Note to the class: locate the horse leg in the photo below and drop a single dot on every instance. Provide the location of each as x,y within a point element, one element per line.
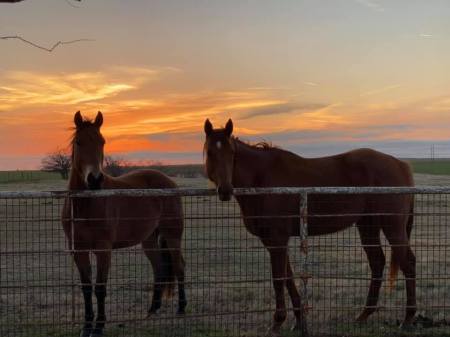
<point>84,268</point>
<point>278,259</point>
<point>151,250</point>
<point>403,256</point>
<point>295,298</point>
<point>370,240</point>
<point>103,265</point>
<point>409,270</point>
<point>178,264</point>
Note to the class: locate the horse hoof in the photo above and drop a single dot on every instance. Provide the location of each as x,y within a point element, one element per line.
<point>181,307</point>
<point>97,333</point>
<point>361,318</point>
<point>407,323</point>
<point>86,332</point>
<point>152,313</point>
<point>364,315</point>
<point>273,333</point>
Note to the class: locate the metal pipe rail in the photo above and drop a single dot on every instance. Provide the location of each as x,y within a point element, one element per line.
<point>237,191</point>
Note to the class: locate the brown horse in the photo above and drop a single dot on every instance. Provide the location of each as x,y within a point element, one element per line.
<point>232,163</point>
<point>102,224</point>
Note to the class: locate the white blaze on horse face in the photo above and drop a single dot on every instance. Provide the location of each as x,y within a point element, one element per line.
<point>219,144</point>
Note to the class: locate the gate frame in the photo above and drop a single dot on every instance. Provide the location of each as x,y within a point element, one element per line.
<point>189,192</point>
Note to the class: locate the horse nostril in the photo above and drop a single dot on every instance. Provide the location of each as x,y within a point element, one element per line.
<point>94,182</point>
<point>90,178</point>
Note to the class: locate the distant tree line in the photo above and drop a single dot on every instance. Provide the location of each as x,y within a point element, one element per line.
<point>60,161</point>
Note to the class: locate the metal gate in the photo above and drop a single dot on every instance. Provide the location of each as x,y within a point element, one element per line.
<point>228,275</point>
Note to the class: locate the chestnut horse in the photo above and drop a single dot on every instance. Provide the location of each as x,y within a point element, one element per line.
<point>106,223</point>
<point>232,163</point>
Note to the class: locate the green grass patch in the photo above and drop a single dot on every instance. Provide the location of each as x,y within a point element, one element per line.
<point>26,176</point>
<point>427,166</point>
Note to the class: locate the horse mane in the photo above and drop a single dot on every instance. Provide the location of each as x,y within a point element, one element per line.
<point>262,145</point>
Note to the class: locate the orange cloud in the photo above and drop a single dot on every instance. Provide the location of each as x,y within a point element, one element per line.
<point>38,110</point>
<point>27,89</point>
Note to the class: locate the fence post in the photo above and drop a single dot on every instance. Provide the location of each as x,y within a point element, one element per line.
<point>72,251</point>
<point>304,271</point>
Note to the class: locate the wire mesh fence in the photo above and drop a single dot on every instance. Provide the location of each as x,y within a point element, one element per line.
<point>228,277</point>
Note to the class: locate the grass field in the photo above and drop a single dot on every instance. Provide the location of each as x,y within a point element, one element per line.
<point>422,166</point>
<point>18,176</point>
<point>426,166</point>
<point>38,297</point>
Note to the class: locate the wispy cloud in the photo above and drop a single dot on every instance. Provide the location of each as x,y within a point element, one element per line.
<point>24,89</point>
<point>36,89</point>
<point>439,104</point>
<point>380,90</point>
<point>282,108</point>
<point>371,5</point>
<point>398,148</point>
<point>353,133</point>
<point>311,84</point>
<point>138,120</point>
<point>426,35</point>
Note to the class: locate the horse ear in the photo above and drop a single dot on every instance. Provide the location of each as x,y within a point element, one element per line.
<point>229,128</point>
<point>78,120</point>
<point>98,120</point>
<point>208,127</point>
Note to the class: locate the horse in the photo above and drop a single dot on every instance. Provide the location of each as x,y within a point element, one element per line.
<point>231,163</point>
<point>101,224</point>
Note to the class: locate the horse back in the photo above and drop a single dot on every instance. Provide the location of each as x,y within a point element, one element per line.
<point>122,221</point>
<point>327,213</point>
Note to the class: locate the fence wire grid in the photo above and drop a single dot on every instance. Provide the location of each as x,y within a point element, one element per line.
<point>228,273</point>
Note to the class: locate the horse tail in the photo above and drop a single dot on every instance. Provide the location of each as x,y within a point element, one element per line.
<point>166,269</point>
<point>394,267</point>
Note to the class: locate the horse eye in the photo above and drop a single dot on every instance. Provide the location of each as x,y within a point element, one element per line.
<point>78,143</point>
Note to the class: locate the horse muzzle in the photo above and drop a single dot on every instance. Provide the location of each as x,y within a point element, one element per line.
<point>94,182</point>
<point>225,192</point>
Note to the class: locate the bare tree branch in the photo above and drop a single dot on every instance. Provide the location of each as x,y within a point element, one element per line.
<point>58,161</point>
<point>72,5</point>
<point>115,166</point>
<point>59,43</point>
<point>13,1</point>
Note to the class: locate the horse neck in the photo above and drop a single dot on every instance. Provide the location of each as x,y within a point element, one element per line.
<point>249,165</point>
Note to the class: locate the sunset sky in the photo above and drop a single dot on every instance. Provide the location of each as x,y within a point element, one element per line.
<point>316,77</point>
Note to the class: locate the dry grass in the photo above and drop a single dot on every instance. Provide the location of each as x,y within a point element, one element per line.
<point>37,296</point>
